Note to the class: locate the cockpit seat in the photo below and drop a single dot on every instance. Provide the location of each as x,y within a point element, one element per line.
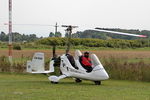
<point>72,61</point>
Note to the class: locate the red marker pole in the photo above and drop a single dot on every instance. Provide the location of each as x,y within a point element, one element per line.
<point>10,32</point>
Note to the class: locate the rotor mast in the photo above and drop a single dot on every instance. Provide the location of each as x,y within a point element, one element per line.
<point>54,46</point>
<point>69,32</point>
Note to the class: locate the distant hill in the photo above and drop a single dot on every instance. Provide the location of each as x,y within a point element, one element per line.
<point>104,36</point>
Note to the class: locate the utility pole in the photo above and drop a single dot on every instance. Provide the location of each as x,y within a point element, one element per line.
<point>69,32</point>
<point>56,29</point>
<point>10,32</point>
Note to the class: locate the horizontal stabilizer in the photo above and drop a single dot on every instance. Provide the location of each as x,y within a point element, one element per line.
<point>56,78</point>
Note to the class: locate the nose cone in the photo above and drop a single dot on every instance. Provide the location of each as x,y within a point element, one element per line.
<point>105,75</point>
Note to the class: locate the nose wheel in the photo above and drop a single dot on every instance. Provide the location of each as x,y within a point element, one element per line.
<point>54,82</point>
<point>97,82</point>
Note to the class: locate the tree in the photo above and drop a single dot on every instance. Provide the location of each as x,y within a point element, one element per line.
<point>51,34</point>
<point>3,36</point>
<point>32,37</point>
<point>17,37</point>
<point>66,34</point>
<point>58,34</point>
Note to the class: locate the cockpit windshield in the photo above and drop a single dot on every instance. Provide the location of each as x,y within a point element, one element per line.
<point>95,60</point>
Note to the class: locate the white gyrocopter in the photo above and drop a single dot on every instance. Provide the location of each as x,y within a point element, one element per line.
<point>98,74</point>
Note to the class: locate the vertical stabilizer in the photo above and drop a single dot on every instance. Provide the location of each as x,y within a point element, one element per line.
<point>37,63</point>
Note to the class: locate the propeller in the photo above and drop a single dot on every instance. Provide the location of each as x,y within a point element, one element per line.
<point>121,33</point>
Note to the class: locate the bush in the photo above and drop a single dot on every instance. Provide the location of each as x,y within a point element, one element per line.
<point>17,47</point>
<point>5,66</point>
<point>113,43</point>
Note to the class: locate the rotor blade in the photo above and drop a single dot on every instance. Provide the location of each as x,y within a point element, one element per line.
<point>31,24</point>
<point>121,33</point>
<point>74,26</point>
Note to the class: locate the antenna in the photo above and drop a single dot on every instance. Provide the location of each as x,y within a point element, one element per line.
<point>69,32</point>
<point>10,32</point>
<point>56,26</point>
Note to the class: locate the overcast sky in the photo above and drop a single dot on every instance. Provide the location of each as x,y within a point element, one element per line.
<point>126,14</point>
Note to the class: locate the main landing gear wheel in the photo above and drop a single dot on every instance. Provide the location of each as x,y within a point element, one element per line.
<point>77,80</point>
<point>54,82</point>
<point>97,82</point>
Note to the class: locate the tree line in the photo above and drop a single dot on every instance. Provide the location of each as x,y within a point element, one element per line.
<point>17,37</point>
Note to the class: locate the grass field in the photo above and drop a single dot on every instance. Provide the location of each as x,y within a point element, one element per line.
<point>100,53</point>
<point>120,64</point>
<point>37,87</point>
<point>123,55</point>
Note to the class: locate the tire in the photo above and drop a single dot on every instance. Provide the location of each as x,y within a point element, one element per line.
<point>77,80</point>
<point>97,82</point>
<point>54,82</point>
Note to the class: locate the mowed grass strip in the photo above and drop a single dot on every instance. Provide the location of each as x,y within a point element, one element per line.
<point>38,87</point>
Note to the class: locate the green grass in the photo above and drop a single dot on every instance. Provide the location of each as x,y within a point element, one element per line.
<point>37,87</point>
<point>129,60</point>
<point>145,60</point>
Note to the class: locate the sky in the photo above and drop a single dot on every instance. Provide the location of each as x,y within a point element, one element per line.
<point>126,14</point>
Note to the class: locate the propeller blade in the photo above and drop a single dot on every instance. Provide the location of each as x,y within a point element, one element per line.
<point>74,26</point>
<point>64,25</point>
<point>121,33</point>
<point>69,26</point>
